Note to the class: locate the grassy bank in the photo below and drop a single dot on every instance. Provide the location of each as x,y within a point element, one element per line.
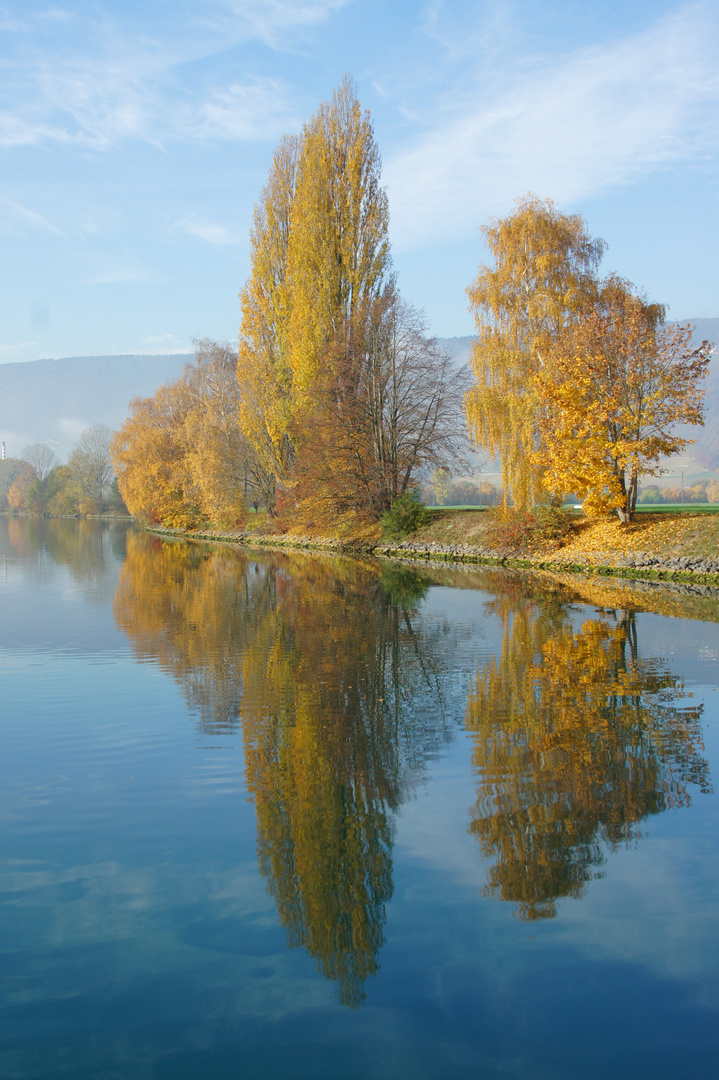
<point>664,534</point>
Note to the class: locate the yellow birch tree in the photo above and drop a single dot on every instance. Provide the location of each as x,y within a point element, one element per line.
<point>543,277</point>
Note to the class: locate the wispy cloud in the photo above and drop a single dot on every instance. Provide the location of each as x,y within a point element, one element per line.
<point>209,231</point>
<point>16,219</point>
<point>603,117</point>
<point>242,112</point>
<point>123,271</point>
<point>271,20</point>
<point>109,79</point>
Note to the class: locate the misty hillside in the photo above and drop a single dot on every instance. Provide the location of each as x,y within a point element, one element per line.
<point>55,399</point>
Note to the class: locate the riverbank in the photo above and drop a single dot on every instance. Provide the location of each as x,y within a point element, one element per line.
<point>665,547</point>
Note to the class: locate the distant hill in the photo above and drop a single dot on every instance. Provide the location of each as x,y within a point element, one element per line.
<point>55,399</point>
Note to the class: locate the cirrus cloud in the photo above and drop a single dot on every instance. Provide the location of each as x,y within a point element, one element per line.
<point>603,116</point>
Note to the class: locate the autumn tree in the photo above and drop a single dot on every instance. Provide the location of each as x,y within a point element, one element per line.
<point>10,468</point>
<point>542,280</point>
<point>222,467</point>
<point>388,407</point>
<point>316,661</point>
<point>61,492</point>
<point>344,395</point>
<point>576,739</point>
<point>19,490</point>
<point>148,454</point>
<point>618,383</point>
<point>263,367</point>
<point>181,457</point>
<point>338,256</point>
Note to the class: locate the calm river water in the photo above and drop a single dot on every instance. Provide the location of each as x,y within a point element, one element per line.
<point>278,815</point>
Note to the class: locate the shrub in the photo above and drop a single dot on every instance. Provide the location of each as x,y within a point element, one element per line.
<point>552,523</point>
<point>406,514</point>
<point>522,530</point>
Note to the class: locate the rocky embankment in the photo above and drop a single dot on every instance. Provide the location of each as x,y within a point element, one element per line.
<point>615,563</point>
<point>638,564</point>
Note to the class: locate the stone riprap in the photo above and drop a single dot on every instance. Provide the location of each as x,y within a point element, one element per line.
<point>634,564</point>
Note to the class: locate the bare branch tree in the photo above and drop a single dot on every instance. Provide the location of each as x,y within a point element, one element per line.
<point>41,458</point>
<point>91,464</point>
<point>392,407</point>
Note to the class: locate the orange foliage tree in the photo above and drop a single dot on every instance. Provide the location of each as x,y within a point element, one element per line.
<point>542,278</point>
<point>181,458</point>
<point>618,382</point>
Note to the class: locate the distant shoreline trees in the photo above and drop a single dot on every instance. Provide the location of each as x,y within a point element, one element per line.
<point>36,482</point>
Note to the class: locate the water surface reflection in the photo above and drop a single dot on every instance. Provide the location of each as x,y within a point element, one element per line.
<point>576,740</point>
<point>340,682</point>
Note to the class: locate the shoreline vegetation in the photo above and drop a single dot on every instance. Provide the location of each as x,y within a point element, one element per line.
<point>336,403</point>
<point>668,547</point>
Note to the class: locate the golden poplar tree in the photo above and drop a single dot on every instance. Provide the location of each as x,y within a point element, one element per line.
<point>263,368</point>
<point>320,261</point>
<point>543,277</point>
<point>338,254</point>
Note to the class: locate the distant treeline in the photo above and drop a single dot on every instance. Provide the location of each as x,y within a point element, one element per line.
<point>706,491</point>
<point>442,490</point>
<point>36,482</point>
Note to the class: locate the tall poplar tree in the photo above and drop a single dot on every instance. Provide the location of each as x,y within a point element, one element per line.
<point>338,258</point>
<point>319,256</point>
<point>543,277</point>
<point>263,367</point>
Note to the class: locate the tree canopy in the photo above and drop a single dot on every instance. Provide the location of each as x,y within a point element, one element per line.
<point>344,396</point>
<point>619,382</point>
<point>543,278</point>
<point>181,457</point>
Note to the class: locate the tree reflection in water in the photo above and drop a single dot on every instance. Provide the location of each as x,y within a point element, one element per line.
<point>338,687</point>
<point>91,550</point>
<point>576,739</point>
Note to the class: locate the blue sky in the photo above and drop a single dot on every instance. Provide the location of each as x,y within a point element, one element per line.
<point>135,137</point>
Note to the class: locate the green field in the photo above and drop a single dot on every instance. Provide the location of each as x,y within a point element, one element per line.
<point>678,508</point>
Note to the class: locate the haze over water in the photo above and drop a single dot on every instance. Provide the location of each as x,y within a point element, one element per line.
<point>282,815</point>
